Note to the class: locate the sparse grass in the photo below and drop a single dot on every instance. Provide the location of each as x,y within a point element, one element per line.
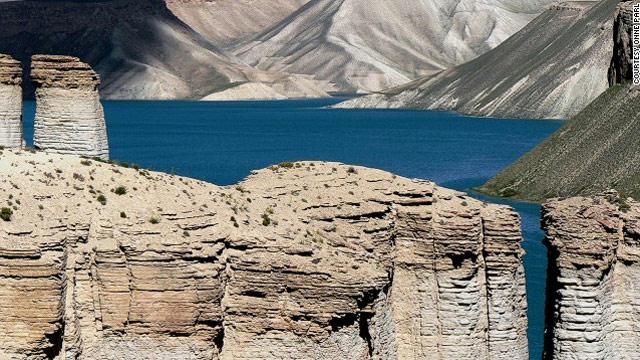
<point>85,162</point>
<point>6,214</point>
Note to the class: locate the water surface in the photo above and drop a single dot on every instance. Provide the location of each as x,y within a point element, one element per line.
<point>223,142</point>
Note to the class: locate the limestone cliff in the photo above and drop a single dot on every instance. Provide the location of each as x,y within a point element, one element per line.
<point>592,290</point>
<point>10,102</point>
<point>69,115</point>
<point>298,261</point>
<point>596,150</point>
<point>552,68</point>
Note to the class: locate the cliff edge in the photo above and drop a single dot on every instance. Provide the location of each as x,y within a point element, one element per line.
<point>299,261</point>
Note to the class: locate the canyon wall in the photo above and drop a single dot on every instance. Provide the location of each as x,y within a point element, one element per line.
<point>299,261</point>
<point>69,115</point>
<point>10,102</point>
<point>592,289</point>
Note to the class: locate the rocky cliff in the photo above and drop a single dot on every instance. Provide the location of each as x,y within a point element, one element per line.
<point>620,70</point>
<point>69,115</point>
<point>10,102</point>
<point>595,151</point>
<point>299,261</point>
<point>552,68</point>
<point>592,290</point>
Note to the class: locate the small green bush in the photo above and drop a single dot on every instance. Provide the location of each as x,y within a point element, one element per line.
<point>123,215</point>
<point>286,165</point>
<point>102,199</point>
<point>6,213</point>
<point>154,220</point>
<point>120,190</point>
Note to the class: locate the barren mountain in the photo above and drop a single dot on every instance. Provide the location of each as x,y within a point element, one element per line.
<point>552,68</point>
<point>226,22</point>
<point>596,150</point>
<point>371,45</point>
<point>140,49</point>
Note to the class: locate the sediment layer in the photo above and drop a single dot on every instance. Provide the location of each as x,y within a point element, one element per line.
<point>10,102</point>
<point>299,261</point>
<point>69,115</point>
<point>592,291</point>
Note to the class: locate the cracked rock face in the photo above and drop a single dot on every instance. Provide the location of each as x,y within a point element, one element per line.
<point>69,115</point>
<point>301,261</point>
<point>592,289</point>
<point>10,102</point>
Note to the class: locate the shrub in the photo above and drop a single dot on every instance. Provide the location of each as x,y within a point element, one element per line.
<point>286,164</point>
<point>123,215</point>
<point>6,213</point>
<point>154,220</point>
<point>102,199</point>
<point>85,162</point>
<point>120,190</point>
<point>352,170</point>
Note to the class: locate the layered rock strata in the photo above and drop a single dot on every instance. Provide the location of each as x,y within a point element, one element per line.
<point>300,261</point>
<point>592,289</point>
<point>69,115</point>
<point>10,102</point>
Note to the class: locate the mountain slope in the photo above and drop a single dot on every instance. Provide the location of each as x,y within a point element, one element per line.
<point>552,68</point>
<point>140,49</point>
<point>371,45</point>
<point>595,151</point>
<point>226,22</point>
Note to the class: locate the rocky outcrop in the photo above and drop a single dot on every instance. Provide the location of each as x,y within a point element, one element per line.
<point>593,152</point>
<point>10,102</point>
<point>620,70</point>
<point>592,291</point>
<point>69,115</point>
<point>299,261</point>
<point>552,68</point>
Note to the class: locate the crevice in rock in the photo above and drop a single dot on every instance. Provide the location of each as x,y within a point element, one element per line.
<point>56,339</point>
<point>553,273</point>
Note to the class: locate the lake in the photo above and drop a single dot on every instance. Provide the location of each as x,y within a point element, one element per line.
<point>222,142</point>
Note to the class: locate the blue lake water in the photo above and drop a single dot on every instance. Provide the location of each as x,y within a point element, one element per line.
<point>223,142</point>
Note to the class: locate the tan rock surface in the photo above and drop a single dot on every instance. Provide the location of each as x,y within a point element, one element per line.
<point>10,102</point>
<point>592,290</point>
<point>69,115</point>
<point>300,261</point>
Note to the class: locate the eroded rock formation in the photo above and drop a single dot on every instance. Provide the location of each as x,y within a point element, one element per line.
<point>10,102</point>
<point>620,70</point>
<point>593,296</point>
<point>69,115</point>
<point>299,261</point>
